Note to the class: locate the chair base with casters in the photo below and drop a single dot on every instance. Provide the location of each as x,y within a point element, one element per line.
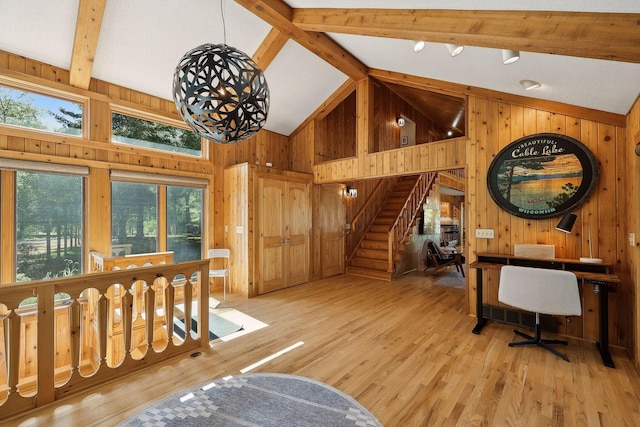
<point>541,291</point>
<point>537,340</point>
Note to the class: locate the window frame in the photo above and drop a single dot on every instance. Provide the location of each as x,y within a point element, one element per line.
<point>161,182</point>
<point>8,186</point>
<point>52,93</point>
<point>119,109</point>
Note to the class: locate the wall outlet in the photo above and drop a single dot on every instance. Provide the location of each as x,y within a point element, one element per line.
<point>484,233</point>
<point>632,239</point>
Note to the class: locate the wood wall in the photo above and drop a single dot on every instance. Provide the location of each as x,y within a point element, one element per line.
<point>631,167</point>
<point>97,152</point>
<point>493,122</point>
<point>493,125</point>
<point>388,107</point>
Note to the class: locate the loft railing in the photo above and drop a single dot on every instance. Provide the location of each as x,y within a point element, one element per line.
<point>405,219</point>
<point>63,335</point>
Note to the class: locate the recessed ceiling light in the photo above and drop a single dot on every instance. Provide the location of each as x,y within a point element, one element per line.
<point>529,84</point>
<point>510,56</point>
<point>418,45</point>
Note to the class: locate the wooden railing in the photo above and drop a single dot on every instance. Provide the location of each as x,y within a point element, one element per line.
<point>102,262</point>
<point>364,217</point>
<point>405,219</point>
<point>71,316</point>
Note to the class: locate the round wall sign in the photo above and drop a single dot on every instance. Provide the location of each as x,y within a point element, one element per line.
<point>542,176</point>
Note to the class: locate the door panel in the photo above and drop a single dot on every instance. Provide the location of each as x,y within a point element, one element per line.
<point>298,215</point>
<point>332,220</point>
<point>272,239</point>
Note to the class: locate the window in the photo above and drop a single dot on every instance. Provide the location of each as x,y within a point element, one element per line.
<point>144,133</point>
<point>134,220</point>
<point>156,215</point>
<point>184,223</point>
<point>42,112</point>
<point>49,218</point>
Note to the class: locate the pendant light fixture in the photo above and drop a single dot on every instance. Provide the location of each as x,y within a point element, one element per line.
<point>220,92</point>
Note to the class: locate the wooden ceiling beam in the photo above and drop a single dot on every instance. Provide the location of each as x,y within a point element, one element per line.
<point>278,14</point>
<point>608,36</point>
<point>269,48</point>
<point>85,43</point>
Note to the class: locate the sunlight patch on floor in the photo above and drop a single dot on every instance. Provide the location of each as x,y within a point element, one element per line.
<point>249,324</point>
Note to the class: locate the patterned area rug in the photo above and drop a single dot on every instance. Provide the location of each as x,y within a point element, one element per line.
<point>276,400</point>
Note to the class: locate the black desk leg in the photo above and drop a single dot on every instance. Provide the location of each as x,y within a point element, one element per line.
<point>603,345</point>
<point>479,312</point>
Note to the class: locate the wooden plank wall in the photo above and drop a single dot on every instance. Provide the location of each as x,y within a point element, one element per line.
<point>265,147</point>
<point>389,106</point>
<point>631,166</point>
<point>97,152</point>
<point>493,125</point>
<point>335,136</point>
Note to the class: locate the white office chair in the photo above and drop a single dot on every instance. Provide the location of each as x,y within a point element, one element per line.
<point>543,291</point>
<point>223,254</point>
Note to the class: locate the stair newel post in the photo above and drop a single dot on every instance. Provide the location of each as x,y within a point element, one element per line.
<point>390,248</point>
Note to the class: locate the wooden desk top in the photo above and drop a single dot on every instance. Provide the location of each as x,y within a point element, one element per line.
<point>497,261</point>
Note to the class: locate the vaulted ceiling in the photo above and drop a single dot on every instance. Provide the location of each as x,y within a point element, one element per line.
<point>583,52</point>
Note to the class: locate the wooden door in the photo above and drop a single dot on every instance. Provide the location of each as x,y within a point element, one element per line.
<point>272,239</point>
<point>332,220</point>
<point>297,231</point>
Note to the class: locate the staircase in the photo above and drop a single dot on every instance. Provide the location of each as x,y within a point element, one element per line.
<point>382,244</point>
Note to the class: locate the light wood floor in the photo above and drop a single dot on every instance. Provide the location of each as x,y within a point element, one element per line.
<point>404,349</point>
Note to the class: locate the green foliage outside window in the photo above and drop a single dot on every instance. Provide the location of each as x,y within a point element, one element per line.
<point>145,133</point>
<point>36,111</point>
<point>48,225</point>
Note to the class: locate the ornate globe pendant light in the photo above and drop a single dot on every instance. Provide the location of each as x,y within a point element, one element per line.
<point>221,93</point>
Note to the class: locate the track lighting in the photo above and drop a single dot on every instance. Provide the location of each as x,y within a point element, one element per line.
<point>454,49</point>
<point>529,84</point>
<point>510,56</point>
<point>418,45</point>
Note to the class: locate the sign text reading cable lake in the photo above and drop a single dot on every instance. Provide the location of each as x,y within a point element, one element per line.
<point>538,147</point>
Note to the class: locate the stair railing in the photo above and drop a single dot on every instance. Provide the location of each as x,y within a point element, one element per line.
<point>368,212</point>
<point>400,228</point>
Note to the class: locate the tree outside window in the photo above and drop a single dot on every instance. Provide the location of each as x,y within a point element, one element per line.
<point>48,225</point>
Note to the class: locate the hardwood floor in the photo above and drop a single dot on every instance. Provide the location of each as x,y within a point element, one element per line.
<point>404,349</point>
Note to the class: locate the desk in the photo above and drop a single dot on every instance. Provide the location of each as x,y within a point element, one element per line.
<point>597,274</point>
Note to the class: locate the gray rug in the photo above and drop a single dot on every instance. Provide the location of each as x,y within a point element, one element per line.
<point>451,280</point>
<point>276,400</point>
<point>218,327</point>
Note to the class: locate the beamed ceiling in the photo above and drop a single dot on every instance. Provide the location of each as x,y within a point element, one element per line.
<point>584,53</point>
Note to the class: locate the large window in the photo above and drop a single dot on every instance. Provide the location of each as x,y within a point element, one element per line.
<point>135,212</point>
<point>48,225</point>
<point>184,223</point>
<point>134,219</point>
<point>144,133</point>
<point>37,111</point>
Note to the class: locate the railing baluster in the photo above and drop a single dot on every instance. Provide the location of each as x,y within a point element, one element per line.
<point>103,327</point>
<point>127,320</point>
<point>13,350</point>
<point>150,311</point>
<point>74,325</point>
<point>46,346</point>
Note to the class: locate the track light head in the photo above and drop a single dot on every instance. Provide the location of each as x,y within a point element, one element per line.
<point>454,49</point>
<point>418,45</point>
<point>510,56</point>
